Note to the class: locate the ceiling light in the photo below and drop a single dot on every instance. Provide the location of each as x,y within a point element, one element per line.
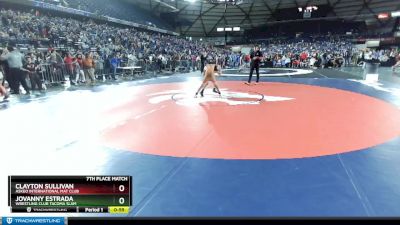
<point>396,14</point>
<point>383,15</point>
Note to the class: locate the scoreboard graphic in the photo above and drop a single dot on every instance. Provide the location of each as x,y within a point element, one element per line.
<point>70,194</point>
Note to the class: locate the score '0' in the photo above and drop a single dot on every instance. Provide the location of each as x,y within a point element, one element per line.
<point>121,188</point>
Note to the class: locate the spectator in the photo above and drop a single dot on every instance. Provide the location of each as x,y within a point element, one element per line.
<point>78,65</point>
<point>88,68</point>
<point>99,65</point>
<point>33,70</point>
<point>107,66</point>
<point>115,63</point>
<point>68,61</point>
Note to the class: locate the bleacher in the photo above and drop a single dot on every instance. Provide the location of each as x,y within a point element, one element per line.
<point>116,9</point>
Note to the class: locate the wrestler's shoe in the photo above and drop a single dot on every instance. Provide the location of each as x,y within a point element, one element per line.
<point>6,96</point>
<point>216,91</point>
<point>202,93</point>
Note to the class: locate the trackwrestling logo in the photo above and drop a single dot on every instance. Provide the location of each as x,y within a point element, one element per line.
<point>34,220</point>
<point>228,97</point>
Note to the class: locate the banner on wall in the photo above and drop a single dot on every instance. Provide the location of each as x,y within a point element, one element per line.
<point>361,46</point>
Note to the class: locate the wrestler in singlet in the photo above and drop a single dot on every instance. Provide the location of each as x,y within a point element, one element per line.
<point>209,75</point>
<point>209,72</point>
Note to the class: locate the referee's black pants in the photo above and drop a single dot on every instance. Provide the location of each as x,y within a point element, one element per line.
<point>252,67</point>
<point>17,78</point>
<point>202,67</point>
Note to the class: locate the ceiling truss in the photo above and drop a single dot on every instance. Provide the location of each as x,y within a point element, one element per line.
<point>205,17</point>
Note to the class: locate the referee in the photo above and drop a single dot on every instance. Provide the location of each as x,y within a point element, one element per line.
<point>17,75</point>
<point>202,61</point>
<point>255,56</point>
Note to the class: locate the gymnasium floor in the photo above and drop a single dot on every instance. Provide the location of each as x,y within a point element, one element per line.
<point>312,143</point>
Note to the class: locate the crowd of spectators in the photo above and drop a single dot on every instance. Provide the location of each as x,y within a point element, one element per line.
<point>316,52</point>
<point>34,29</point>
<point>313,51</point>
<point>76,48</point>
<point>116,9</point>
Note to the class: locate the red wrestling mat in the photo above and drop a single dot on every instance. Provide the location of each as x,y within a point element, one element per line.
<point>267,121</point>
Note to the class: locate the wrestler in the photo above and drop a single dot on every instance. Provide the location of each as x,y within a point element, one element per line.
<point>209,76</point>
